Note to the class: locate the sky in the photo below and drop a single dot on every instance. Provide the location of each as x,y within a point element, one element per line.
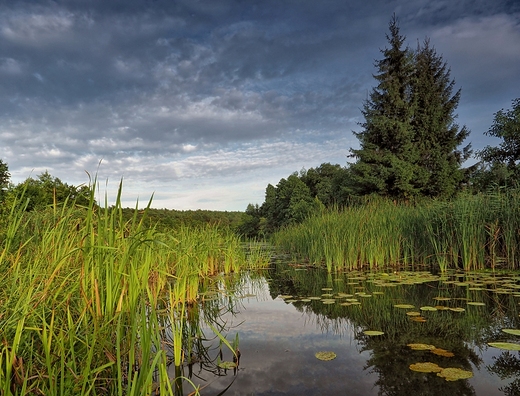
<point>202,103</point>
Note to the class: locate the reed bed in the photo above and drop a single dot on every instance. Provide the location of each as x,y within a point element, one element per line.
<point>84,297</point>
<point>472,232</point>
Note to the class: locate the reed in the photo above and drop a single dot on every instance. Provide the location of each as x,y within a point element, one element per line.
<point>82,289</point>
<point>471,232</point>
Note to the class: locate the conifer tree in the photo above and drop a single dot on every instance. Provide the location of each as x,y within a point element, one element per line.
<point>409,142</point>
<point>387,155</point>
<point>437,136</point>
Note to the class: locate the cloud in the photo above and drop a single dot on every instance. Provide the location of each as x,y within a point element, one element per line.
<point>210,94</point>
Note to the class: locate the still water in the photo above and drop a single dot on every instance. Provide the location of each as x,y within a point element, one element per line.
<point>284,316</point>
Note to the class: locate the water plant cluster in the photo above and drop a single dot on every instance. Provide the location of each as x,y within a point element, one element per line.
<point>470,232</point>
<point>407,321</point>
<point>94,304</point>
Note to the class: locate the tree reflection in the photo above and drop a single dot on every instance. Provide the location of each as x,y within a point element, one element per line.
<point>391,361</point>
<point>507,366</point>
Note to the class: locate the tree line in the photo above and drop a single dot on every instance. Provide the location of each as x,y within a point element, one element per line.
<point>411,147</point>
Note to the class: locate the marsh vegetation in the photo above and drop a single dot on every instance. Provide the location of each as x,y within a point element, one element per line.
<point>94,304</point>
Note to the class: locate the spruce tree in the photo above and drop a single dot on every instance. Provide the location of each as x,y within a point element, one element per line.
<point>387,157</point>
<point>409,142</point>
<point>437,136</point>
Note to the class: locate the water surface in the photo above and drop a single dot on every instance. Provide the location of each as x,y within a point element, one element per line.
<point>286,315</point>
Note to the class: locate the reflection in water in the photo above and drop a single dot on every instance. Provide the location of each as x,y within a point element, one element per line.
<point>279,337</point>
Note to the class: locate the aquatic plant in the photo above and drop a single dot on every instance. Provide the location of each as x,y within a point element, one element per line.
<point>85,294</point>
<point>472,232</point>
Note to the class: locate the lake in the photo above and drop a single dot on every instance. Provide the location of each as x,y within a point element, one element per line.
<point>285,315</point>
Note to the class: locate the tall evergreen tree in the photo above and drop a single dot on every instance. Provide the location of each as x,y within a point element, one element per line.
<point>387,156</point>
<point>409,142</point>
<point>437,136</point>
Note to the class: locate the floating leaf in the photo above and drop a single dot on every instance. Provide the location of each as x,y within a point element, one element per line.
<point>422,347</point>
<point>454,374</point>
<point>475,303</point>
<point>404,306</point>
<point>428,308</point>
<point>441,308</point>
<point>512,331</point>
<point>227,365</point>
<point>328,301</point>
<point>442,298</point>
<point>326,288</point>
<point>457,309</point>
<point>442,352</point>
<point>365,295</point>
<point>373,332</point>
<point>509,346</point>
<point>325,355</point>
<point>425,367</point>
<point>413,313</point>
<point>285,297</point>
<point>419,319</point>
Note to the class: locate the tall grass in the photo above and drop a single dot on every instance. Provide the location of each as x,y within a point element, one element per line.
<point>81,292</point>
<point>470,232</point>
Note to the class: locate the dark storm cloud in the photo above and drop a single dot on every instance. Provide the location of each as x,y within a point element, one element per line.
<point>152,86</point>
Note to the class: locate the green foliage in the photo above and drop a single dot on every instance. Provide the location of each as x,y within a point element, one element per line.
<point>501,164</point>
<point>167,219</point>
<point>469,232</point>
<point>4,177</point>
<point>47,190</point>
<point>296,198</point>
<point>437,136</point>
<point>409,139</point>
<point>91,301</point>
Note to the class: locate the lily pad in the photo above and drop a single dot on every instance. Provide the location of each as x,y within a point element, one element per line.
<point>422,347</point>
<point>425,367</point>
<point>419,319</point>
<point>413,313</point>
<point>477,303</point>
<point>442,352</point>
<point>404,306</point>
<point>457,309</point>
<point>373,332</point>
<point>454,374</point>
<point>325,355</point>
<point>428,308</point>
<point>509,346</point>
<point>227,365</point>
<point>512,331</point>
